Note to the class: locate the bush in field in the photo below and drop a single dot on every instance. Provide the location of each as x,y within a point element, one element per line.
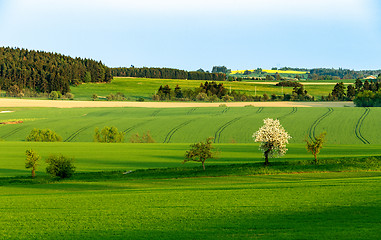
<point>69,96</point>
<point>31,161</point>
<point>145,138</point>
<point>315,145</point>
<point>54,95</point>
<point>94,96</point>
<point>200,152</point>
<point>273,139</point>
<point>60,166</point>
<point>43,135</point>
<point>108,135</point>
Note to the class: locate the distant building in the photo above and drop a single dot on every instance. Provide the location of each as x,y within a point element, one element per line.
<point>371,77</point>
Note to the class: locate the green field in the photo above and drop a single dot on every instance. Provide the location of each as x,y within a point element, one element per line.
<point>93,157</point>
<point>303,206</point>
<point>134,88</point>
<point>188,125</point>
<point>165,199</point>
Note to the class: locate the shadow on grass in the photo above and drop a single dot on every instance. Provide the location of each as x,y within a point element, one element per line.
<point>246,169</point>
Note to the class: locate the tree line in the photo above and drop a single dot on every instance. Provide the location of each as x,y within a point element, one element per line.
<point>166,73</point>
<point>44,72</point>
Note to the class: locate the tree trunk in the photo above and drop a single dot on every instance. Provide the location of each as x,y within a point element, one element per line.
<point>267,157</point>
<point>203,165</point>
<point>33,172</point>
<point>316,161</point>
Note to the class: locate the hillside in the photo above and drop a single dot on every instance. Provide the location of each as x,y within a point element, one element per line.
<point>40,71</point>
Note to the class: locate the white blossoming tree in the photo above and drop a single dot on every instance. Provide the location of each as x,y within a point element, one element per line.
<point>273,139</point>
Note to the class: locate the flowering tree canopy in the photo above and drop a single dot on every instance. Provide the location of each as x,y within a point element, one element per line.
<point>273,139</point>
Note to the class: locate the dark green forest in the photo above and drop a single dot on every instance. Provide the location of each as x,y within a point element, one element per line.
<point>45,72</point>
<point>167,73</point>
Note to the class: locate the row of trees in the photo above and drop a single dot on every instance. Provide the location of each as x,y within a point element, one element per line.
<point>167,73</point>
<point>351,92</point>
<point>46,72</point>
<point>213,92</point>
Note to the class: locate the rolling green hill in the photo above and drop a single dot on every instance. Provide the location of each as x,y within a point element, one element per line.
<point>188,125</point>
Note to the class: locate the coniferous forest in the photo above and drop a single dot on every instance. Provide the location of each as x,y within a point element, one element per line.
<point>167,73</point>
<point>45,72</point>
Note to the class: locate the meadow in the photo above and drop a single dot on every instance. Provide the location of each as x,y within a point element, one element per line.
<point>135,88</point>
<point>165,199</point>
<point>188,125</point>
<point>302,206</point>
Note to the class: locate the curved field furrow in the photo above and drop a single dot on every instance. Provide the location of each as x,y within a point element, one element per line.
<point>294,110</point>
<point>312,129</point>
<point>135,126</point>
<point>217,135</point>
<point>76,133</point>
<point>358,127</point>
<point>174,130</point>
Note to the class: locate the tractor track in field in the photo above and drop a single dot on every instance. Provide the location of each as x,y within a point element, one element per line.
<point>155,113</point>
<point>294,110</point>
<point>359,125</point>
<point>78,131</point>
<point>312,129</point>
<point>127,130</point>
<point>259,110</point>
<point>175,129</point>
<point>217,134</point>
<point>191,111</point>
<point>7,135</point>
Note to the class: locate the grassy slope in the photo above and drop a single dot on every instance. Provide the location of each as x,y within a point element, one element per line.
<point>186,125</point>
<point>134,88</point>
<point>303,206</point>
<point>127,156</point>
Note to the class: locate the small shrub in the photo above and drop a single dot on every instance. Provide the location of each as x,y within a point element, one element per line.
<point>60,166</point>
<point>54,95</point>
<point>94,96</point>
<point>108,135</point>
<point>140,99</point>
<point>43,135</point>
<point>69,96</point>
<point>146,138</point>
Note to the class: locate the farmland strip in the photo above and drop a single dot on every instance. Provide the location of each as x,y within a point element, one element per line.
<point>359,125</point>
<point>311,131</point>
<point>174,130</point>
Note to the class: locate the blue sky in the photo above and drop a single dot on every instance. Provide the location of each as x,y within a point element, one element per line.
<point>240,34</point>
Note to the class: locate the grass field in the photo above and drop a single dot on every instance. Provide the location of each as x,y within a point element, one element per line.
<point>92,157</point>
<point>302,206</point>
<point>134,88</point>
<point>188,125</point>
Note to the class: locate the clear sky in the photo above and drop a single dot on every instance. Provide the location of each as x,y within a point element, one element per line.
<point>192,34</point>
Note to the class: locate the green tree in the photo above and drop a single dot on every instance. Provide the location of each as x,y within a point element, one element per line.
<point>87,77</point>
<point>338,91</point>
<point>351,92</point>
<point>43,135</point>
<point>108,135</point>
<point>315,145</point>
<point>200,152</point>
<point>60,166</point>
<point>54,95</point>
<point>31,161</point>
